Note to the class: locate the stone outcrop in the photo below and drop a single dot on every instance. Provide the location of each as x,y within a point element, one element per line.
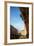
<point>14,33</point>
<point>25,14</point>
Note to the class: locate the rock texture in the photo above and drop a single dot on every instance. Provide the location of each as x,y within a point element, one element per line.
<point>14,33</point>
<point>25,14</point>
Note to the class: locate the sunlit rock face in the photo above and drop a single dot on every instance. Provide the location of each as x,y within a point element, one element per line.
<point>25,14</point>
<point>23,32</point>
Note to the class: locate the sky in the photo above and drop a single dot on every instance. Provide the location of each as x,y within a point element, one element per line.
<point>15,19</point>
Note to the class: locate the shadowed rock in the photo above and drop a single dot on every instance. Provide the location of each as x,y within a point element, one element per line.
<point>25,14</point>
<point>13,33</point>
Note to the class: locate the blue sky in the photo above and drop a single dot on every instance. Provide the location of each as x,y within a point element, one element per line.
<point>15,18</point>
